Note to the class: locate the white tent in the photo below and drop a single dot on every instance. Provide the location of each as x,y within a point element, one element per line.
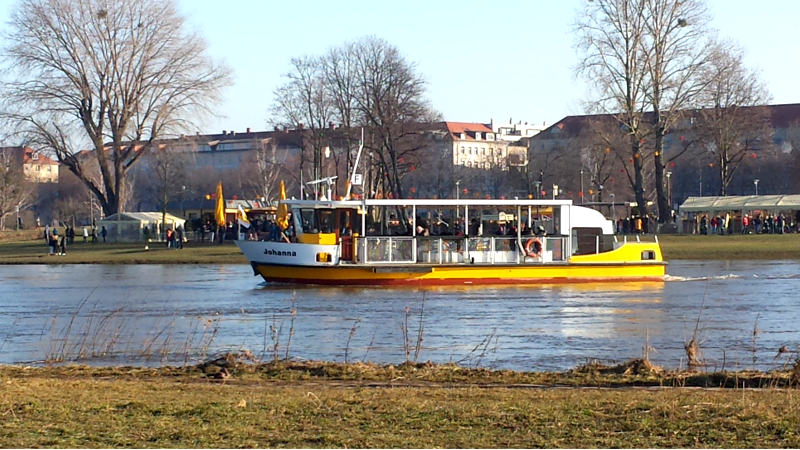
<point>130,226</point>
<point>712,205</point>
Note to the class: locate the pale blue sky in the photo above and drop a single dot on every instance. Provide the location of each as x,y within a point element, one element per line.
<point>482,60</point>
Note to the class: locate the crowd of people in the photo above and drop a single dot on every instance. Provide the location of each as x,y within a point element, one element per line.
<point>750,224</point>
<point>57,242</point>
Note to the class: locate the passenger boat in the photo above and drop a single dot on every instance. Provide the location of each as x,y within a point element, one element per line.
<point>449,242</point>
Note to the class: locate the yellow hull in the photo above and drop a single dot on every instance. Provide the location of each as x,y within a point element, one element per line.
<point>460,274</point>
<point>633,261</point>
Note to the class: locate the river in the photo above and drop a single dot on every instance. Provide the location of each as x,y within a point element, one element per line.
<point>176,314</point>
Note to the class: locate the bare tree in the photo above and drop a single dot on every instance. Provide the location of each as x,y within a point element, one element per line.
<point>339,68</point>
<point>167,169</point>
<point>611,35</point>
<point>676,46</point>
<point>304,102</point>
<point>731,126</point>
<point>16,193</point>
<point>390,100</point>
<point>113,75</point>
<point>265,167</point>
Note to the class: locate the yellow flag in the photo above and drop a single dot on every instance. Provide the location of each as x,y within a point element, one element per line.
<point>219,213</point>
<point>282,218</point>
<point>241,217</point>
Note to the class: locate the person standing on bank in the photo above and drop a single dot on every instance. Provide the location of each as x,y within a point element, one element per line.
<point>104,233</point>
<point>62,241</point>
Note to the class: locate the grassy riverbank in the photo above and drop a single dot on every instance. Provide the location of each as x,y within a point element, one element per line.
<point>408,406</point>
<point>21,249</point>
<point>35,252</point>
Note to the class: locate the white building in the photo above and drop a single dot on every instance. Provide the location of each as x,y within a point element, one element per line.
<point>513,132</point>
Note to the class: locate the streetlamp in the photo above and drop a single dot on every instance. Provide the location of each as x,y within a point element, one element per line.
<point>756,183</point>
<point>538,189</point>
<point>17,217</point>
<point>669,189</point>
<point>458,197</point>
<point>613,212</point>
<point>581,184</point>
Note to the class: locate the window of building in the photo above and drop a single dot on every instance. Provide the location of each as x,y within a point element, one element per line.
<point>38,168</point>
<point>49,168</point>
<point>462,150</point>
<point>483,150</point>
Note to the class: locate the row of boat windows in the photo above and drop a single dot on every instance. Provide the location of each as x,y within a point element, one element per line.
<point>347,222</point>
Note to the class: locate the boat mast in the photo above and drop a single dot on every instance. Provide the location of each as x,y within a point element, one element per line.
<point>352,178</point>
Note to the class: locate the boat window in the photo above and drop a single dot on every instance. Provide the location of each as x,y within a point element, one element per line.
<point>326,221</point>
<point>587,241</point>
<point>309,218</point>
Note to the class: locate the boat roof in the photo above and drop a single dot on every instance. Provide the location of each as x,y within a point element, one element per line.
<point>425,203</point>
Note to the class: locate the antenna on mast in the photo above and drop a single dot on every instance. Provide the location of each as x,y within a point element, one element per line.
<point>352,180</point>
<point>329,181</point>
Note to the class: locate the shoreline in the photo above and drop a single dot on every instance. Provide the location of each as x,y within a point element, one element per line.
<point>674,247</point>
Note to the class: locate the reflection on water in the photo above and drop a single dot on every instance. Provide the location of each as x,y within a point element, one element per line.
<point>146,314</point>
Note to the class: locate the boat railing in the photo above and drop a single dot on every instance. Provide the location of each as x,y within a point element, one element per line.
<point>387,249</point>
<point>457,249</point>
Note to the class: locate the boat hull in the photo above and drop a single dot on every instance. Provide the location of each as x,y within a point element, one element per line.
<point>417,275</point>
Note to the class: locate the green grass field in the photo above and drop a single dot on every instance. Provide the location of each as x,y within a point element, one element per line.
<point>21,249</point>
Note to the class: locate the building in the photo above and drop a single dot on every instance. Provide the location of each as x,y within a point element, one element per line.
<point>230,149</point>
<point>513,132</point>
<point>580,142</point>
<point>36,167</point>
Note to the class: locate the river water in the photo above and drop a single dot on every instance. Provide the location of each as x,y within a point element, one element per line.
<point>175,314</point>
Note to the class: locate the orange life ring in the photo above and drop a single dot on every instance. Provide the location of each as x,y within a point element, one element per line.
<point>536,250</point>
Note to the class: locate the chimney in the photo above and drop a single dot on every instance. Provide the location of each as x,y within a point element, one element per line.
<point>331,125</point>
<point>224,132</point>
<point>301,126</point>
<point>277,128</point>
<point>198,133</point>
<point>233,133</point>
<point>183,136</point>
<point>248,129</point>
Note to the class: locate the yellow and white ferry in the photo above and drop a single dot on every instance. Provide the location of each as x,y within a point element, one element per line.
<point>449,242</point>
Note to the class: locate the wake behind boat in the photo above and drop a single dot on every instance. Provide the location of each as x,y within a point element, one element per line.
<point>448,242</point>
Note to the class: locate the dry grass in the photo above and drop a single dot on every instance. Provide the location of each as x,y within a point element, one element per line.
<point>328,405</point>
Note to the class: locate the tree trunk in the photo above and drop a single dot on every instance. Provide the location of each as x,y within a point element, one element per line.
<point>664,208</point>
<point>638,187</point>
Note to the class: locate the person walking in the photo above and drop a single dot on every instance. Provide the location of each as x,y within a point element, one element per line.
<point>179,237</point>
<point>52,242</point>
<point>62,241</point>
<point>104,233</point>
<point>85,235</point>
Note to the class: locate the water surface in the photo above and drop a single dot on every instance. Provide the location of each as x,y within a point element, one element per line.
<point>151,314</point>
